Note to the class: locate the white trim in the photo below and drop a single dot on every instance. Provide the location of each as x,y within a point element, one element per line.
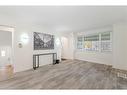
<point>9,29</point>
<point>6,28</point>
<point>100,49</point>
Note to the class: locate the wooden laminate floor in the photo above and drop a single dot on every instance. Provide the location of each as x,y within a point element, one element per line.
<point>66,75</point>
<point>5,72</point>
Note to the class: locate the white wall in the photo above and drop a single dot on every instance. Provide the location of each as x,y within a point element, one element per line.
<point>23,56</point>
<point>120,46</point>
<point>117,58</point>
<point>97,57</point>
<point>5,38</point>
<point>67,41</point>
<point>103,58</point>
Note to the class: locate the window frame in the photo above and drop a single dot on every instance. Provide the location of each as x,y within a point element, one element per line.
<point>95,34</point>
<point>99,42</point>
<point>110,41</point>
<point>78,42</point>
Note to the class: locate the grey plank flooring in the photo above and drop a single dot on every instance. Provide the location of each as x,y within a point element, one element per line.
<point>70,74</point>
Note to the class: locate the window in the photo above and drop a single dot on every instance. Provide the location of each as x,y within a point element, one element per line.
<point>106,41</point>
<point>79,42</point>
<point>95,42</point>
<point>91,43</point>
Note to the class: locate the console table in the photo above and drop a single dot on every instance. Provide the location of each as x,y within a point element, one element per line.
<point>37,56</point>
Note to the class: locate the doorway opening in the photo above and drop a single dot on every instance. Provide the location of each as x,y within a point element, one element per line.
<point>6,53</point>
<point>64,51</point>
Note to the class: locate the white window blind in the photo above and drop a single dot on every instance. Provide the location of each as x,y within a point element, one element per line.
<point>106,42</point>
<point>95,42</point>
<point>79,42</point>
<point>91,43</point>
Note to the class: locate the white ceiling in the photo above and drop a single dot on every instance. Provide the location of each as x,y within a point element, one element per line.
<point>62,18</point>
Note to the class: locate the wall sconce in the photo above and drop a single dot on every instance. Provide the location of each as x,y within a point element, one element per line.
<point>57,41</point>
<point>20,45</point>
<point>24,38</point>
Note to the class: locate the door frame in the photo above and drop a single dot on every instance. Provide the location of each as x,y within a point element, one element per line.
<point>9,29</point>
